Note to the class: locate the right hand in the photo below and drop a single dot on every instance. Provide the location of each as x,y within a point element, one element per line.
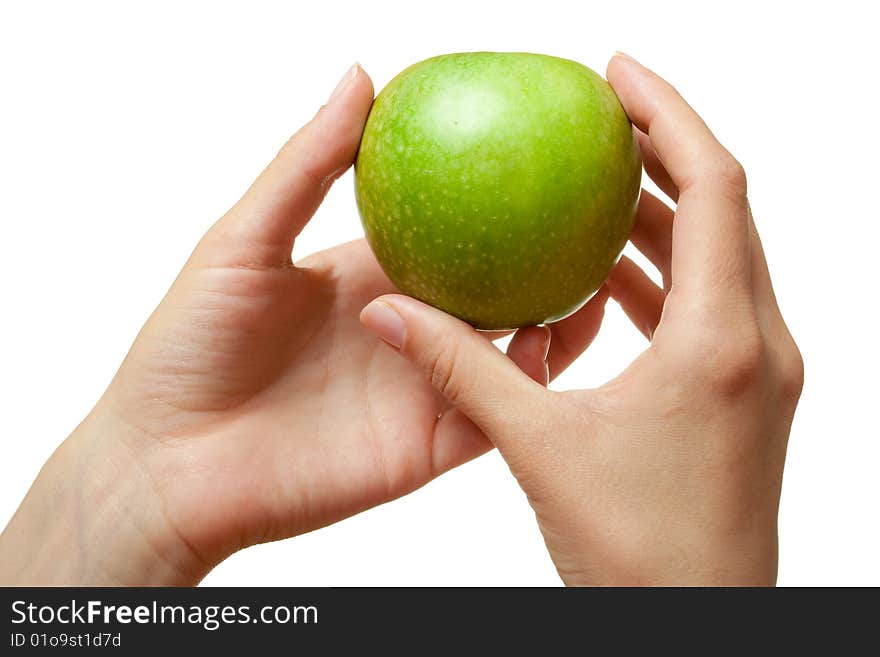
<point>671,472</point>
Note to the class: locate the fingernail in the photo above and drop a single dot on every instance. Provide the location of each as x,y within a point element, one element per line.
<point>385,322</point>
<point>350,75</point>
<point>623,55</point>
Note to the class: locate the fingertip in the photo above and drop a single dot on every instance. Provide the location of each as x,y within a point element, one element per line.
<point>540,336</point>
<point>392,315</point>
<point>545,330</point>
<point>330,140</point>
<point>354,92</point>
<point>383,319</point>
<point>286,194</point>
<point>529,349</point>
<point>574,334</point>
<point>326,146</point>
<point>546,337</point>
<point>618,64</point>
<point>626,77</point>
<point>367,81</point>
<point>465,368</point>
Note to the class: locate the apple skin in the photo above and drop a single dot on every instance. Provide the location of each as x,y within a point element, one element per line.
<point>498,187</point>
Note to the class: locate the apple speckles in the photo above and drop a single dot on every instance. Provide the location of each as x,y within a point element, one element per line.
<point>508,218</point>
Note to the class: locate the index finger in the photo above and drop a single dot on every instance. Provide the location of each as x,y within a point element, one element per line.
<point>710,249</point>
<point>261,229</point>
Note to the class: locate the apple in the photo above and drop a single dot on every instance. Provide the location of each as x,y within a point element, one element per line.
<point>498,187</point>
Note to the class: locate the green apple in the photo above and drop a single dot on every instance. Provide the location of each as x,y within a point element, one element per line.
<point>499,187</point>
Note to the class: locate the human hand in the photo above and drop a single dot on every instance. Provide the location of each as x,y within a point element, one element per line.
<point>253,406</point>
<point>671,472</point>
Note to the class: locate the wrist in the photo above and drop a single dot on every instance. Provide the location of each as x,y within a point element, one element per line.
<point>742,554</point>
<point>93,517</point>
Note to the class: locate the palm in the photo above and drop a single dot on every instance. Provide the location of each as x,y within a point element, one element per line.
<point>273,410</point>
<point>266,409</point>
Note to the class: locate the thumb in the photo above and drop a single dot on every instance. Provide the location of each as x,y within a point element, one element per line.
<point>462,365</point>
<point>260,229</point>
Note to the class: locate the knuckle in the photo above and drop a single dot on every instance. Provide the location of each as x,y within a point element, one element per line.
<point>792,374</point>
<point>731,175</point>
<point>736,364</point>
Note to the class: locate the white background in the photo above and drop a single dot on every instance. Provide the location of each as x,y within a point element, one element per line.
<point>124,133</point>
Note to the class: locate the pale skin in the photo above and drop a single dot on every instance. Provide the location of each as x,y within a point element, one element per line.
<point>255,406</point>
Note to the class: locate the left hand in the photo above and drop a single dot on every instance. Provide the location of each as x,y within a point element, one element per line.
<point>253,406</point>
